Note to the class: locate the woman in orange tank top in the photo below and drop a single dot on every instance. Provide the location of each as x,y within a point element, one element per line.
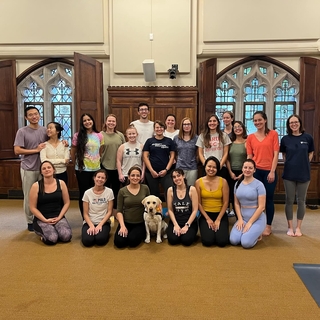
<point>213,194</point>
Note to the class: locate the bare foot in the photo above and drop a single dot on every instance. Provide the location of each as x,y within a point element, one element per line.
<point>267,231</point>
<point>298,233</point>
<point>290,232</point>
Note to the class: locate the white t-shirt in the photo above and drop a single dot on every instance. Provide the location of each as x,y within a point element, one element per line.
<point>145,130</point>
<point>98,204</point>
<point>216,146</point>
<point>171,134</point>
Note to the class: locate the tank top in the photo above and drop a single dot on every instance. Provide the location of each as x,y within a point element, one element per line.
<point>182,208</point>
<point>132,155</point>
<point>211,200</point>
<point>50,204</point>
<point>237,154</point>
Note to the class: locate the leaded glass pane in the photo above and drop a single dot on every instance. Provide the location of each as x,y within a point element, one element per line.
<point>282,111</point>
<point>250,109</point>
<point>62,115</point>
<point>255,92</point>
<point>53,71</point>
<point>68,72</point>
<point>61,92</point>
<point>246,71</point>
<point>263,70</point>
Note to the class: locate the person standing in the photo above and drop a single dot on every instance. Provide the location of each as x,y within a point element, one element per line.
<point>49,202</point>
<point>143,124</point>
<point>56,151</point>
<point>85,154</point>
<point>28,143</point>
<point>113,139</point>
<point>158,155</point>
<point>186,149</point>
<point>263,148</point>
<point>228,120</point>
<point>170,123</point>
<point>182,202</point>
<point>249,201</point>
<point>297,149</point>
<point>213,142</point>
<point>129,154</point>
<point>237,154</point>
<point>97,210</point>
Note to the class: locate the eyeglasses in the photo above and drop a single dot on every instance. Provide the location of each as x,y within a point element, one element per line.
<point>186,124</point>
<point>294,122</point>
<point>144,110</point>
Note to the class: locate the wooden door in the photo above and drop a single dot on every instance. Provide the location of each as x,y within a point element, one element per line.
<point>207,90</point>
<point>88,88</point>
<point>8,108</point>
<point>310,99</point>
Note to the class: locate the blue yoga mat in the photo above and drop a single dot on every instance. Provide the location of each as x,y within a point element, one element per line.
<point>310,276</point>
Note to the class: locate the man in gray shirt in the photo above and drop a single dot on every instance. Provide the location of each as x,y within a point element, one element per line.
<point>28,143</point>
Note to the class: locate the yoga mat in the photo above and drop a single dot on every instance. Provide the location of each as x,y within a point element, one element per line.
<point>310,276</point>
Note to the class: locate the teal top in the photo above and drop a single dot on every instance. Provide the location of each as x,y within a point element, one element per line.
<point>237,154</point>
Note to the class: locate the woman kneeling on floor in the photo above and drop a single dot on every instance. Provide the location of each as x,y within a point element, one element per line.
<point>249,202</point>
<point>182,201</point>
<point>213,195</point>
<point>97,210</point>
<point>49,202</point>
<point>131,230</point>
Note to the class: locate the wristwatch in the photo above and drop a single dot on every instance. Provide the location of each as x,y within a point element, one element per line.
<point>188,225</point>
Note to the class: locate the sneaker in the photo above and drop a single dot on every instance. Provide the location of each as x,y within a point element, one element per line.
<point>30,227</point>
<point>231,213</point>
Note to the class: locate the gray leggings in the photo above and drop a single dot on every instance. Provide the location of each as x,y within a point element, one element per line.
<point>293,188</point>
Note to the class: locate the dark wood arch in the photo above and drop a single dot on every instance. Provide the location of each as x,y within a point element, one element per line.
<point>262,58</point>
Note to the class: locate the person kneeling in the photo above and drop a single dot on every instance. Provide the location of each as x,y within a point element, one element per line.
<point>97,210</point>
<point>182,201</point>
<point>249,201</point>
<point>49,201</point>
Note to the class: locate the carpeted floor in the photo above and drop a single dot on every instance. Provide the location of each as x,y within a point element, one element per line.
<point>154,281</point>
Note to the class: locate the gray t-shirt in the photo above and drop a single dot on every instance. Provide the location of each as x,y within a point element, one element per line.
<point>186,153</point>
<point>29,138</point>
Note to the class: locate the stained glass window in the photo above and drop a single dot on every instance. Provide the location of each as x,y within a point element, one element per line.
<point>225,98</point>
<point>50,89</point>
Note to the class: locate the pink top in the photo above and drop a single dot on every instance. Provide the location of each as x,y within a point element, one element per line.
<point>263,151</point>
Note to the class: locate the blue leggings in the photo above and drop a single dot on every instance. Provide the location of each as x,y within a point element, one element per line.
<point>270,187</point>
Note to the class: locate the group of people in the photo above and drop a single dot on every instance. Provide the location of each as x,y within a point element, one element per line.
<point>239,171</point>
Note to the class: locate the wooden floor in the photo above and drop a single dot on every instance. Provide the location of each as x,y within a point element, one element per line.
<point>153,281</point>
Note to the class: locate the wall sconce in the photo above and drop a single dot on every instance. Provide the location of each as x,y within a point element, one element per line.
<point>173,71</point>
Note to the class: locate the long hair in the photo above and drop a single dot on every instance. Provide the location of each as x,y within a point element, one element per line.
<point>181,131</point>
<point>41,182</point>
<point>264,116</point>
<point>244,132</point>
<point>181,172</point>
<point>242,176</point>
<point>206,131</point>
<point>289,130</point>
<point>82,140</point>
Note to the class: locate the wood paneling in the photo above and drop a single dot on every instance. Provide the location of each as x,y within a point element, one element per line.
<point>181,101</point>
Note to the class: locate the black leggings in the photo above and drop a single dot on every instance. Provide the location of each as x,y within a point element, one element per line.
<point>85,182</point>
<point>210,237</point>
<point>136,234</point>
<point>186,239</point>
<point>113,183</point>
<point>99,239</point>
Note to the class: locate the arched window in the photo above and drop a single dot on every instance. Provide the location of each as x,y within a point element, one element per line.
<point>258,85</point>
<point>50,88</point>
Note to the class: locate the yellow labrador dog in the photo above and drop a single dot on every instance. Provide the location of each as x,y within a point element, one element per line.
<point>153,218</point>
